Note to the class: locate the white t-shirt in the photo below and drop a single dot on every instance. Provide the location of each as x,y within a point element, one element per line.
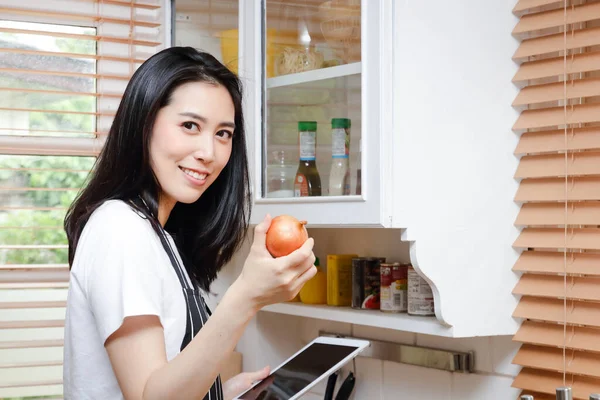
<point>120,269</point>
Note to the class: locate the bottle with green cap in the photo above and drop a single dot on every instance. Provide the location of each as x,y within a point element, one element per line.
<point>308,181</point>
<point>339,175</point>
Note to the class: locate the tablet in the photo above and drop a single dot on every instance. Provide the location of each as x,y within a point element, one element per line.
<point>305,369</point>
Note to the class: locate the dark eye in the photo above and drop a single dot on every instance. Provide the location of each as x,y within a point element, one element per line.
<point>190,125</point>
<point>224,133</point>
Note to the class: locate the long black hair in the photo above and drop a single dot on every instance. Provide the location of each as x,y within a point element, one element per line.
<point>208,231</point>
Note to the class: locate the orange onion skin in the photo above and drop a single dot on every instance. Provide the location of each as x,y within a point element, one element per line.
<point>285,235</point>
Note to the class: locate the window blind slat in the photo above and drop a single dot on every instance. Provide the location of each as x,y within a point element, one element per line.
<point>551,359</point>
<point>524,5</point>
<point>32,110</point>
<point>48,275</point>
<point>98,38</point>
<point>553,335</point>
<point>552,286</point>
<point>71,55</point>
<point>31,364</point>
<point>536,94</point>
<point>553,214</point>
<point>551,67</point>
<point>554,43</point>
<point>552,310</point>
<point>556,18</point>
<point>553,165</point>
<point>30,383</point>
<point>60,323</point>
<point>59,92</point>
<point>553,263</point>
<point>550,117</point>
<point>57,146</point>
<point>554,140</point>
<point>64,73</point>
<point>553,189</point>
<point>547,382</point>
<point>31,344</point>
<point>554,238</point>
<point>77,17</point>
<point>13,305</point>
<point>128,4</point>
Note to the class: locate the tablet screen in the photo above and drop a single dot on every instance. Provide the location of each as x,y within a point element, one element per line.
<point>299,372</point>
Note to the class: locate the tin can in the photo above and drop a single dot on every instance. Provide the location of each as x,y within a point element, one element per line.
<point>366,282</point>
<point>420,296</point>
<point>394,280</point>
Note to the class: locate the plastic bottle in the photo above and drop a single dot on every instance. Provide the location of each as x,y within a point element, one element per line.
<point>339,175</point>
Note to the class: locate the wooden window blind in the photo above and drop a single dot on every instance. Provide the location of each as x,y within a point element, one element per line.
<point>64,65</point>
<point>559,173</point>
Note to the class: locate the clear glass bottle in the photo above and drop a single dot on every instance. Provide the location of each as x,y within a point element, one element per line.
<point>308,180</point>
<point>339,175</point>
<point>280,177</point>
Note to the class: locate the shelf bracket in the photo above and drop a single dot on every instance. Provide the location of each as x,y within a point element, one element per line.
<point>445,360</point>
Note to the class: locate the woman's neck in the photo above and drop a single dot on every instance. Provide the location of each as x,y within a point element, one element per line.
<point>165,206</point>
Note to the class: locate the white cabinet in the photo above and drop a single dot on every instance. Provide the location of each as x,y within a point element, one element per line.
<point>319,62</point>
<point>429,97</point>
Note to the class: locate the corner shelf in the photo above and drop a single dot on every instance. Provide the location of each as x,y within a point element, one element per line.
<point>400,322</point>
<point>320,74</point>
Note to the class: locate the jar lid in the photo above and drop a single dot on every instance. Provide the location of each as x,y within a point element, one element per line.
<point>340,123</point>
<point>307,126</point>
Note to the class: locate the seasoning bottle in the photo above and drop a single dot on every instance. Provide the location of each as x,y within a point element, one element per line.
<point>526,397</point>
<point>308,181</point>
<point>339,175</point>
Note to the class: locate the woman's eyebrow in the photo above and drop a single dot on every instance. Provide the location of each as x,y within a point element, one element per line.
<point>204,120</point>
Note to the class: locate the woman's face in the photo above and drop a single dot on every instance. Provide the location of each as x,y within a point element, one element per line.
<point>191,141</point>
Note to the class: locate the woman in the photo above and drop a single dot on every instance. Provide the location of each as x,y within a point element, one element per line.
<point>166,207</point>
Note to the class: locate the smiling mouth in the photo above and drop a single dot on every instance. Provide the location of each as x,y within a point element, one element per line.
<point>194,174</point>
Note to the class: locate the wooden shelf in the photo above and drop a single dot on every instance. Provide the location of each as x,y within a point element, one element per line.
<point>400,322</point>
<point>314,75</point>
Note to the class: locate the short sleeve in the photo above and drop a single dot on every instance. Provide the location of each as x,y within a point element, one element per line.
<point>122,268</point>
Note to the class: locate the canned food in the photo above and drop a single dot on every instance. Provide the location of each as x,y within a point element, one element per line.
<point>420,296</point>
<point>366,282</point>
<point>393,293</point>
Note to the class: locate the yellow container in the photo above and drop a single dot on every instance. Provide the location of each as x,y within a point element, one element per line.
<point>315,290</point>
<point>339,279</point>
<point>229,50</point>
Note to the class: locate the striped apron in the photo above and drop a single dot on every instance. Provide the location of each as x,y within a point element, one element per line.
<point>197,312</point>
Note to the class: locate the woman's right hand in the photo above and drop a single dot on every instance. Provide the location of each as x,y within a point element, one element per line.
<point>267,280</point>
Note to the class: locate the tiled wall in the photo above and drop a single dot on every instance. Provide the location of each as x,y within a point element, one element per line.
<point>382,380</point>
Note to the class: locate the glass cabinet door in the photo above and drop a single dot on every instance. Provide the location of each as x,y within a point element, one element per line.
<point>311,130</point>
<point>208,25</point>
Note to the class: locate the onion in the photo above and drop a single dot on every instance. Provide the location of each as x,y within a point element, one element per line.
<point>285,235</point>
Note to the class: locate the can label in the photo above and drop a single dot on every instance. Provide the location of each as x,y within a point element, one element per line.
<point>394,286</point>
<point>366,283</point>
<point>420,295</point>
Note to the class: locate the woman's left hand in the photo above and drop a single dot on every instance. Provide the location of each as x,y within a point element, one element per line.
<point>242,382</point>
